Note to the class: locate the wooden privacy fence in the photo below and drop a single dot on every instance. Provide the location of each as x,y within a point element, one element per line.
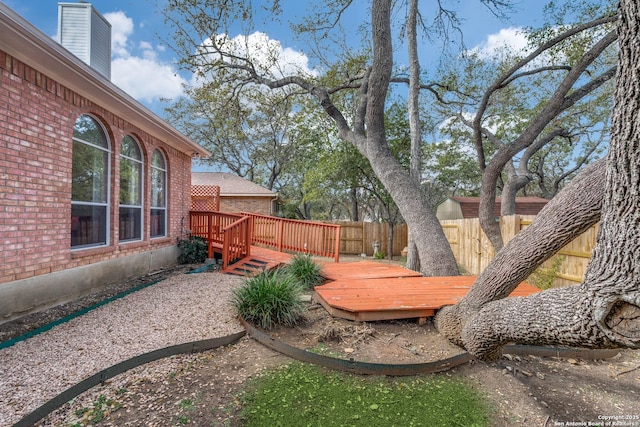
<point>473,251</point>
<point>357,238</point>
<point>284,235</point>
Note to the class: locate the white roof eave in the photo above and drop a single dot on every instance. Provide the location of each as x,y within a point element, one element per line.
<point>26,43</point>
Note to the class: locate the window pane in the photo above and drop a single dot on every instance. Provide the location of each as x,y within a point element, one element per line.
<point>130,224</point>
<point>88,225</point>
<point>157,188</point>
<point>158,222</point>
<point>89,184</point>
<point>90,173</point>
<point>88,130</point>
<point>130,182</point>
<point>157,160</point>
<point>130,148</point>
<point>158,195</point>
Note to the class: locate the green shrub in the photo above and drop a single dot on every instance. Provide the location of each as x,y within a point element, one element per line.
<point>193,250</point>
<point>304,271</point>
<point>380,255</point>
<point>268,299</point>
<point>544,278</point>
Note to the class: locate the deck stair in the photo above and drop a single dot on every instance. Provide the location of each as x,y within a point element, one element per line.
<point>250,266</point>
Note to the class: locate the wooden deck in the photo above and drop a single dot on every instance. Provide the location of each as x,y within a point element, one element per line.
<point>364,270</point>
<point>369,290</point>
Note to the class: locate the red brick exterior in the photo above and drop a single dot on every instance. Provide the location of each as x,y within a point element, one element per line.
<point>37,115</point>
<point>235,204</point>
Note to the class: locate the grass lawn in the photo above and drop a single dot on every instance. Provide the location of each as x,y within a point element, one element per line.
<point>304,395</point>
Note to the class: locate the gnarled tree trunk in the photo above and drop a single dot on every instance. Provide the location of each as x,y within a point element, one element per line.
<point>435,254</point>
<point>604,311</point>
<point>576,208</point>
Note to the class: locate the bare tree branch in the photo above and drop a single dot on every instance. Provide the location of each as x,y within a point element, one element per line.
<point>526,60</point>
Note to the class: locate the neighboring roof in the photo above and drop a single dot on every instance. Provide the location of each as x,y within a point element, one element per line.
<point>524,205</point>
<point>230,184</point>
<point>25,42</point>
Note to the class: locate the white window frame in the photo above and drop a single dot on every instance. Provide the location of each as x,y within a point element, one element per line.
<point>106,205</point>
<point>152,167</point>
<point>140,163</point>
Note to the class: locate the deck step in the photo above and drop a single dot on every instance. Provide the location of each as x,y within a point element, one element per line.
<point>249,267</point>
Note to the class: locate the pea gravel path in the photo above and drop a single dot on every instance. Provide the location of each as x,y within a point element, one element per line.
<point>179,309</point>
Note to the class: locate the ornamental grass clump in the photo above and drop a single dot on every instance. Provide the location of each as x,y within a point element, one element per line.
<point>269,299</point>
<point>305,272</point>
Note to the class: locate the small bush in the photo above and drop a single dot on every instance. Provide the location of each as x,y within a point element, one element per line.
<point>268,299</point>
<point>544,278</point>
<point>380,255</point>
<point>304,271</point>
<point>192,250</point>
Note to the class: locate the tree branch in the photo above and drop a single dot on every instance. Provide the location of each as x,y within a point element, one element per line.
<point>533,72</point>
<point>522,63</point>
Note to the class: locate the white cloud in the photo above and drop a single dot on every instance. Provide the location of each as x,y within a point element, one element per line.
<point>121,30</point>
<point>146,79</point>
<point>146,45</point>
<point>135,67</point>
<point>511,39</point>
<point>266,54</point>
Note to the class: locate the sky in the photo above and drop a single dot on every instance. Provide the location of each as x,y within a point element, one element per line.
<point>145,68</point>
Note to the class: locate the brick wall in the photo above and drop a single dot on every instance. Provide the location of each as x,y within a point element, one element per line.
<point>234,204</point>
<point>37,116</point>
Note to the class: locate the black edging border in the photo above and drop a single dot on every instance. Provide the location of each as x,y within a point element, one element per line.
<point>366,368</point>
<point>64,319</point>
<point>344,365</point>
<point>119,368</point>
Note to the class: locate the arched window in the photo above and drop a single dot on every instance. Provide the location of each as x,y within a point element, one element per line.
<point>158,215</point>
<point>89,184</point>
<point>131,174</point>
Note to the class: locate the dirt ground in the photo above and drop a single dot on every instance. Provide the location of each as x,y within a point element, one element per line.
<point>204,389</point>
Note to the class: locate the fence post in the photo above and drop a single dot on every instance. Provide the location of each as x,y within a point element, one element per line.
<point>210,234</point>
<point>337,244</point>
<point>280,225</point>
<point>225,249</point>
<point>248,226</point>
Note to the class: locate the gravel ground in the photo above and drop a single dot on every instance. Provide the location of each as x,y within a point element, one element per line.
<point>181,308</point>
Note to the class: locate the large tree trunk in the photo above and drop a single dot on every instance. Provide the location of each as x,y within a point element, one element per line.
<point>434,250</point>
<point>510,190</point>
<point>576,208</point>
<point>486,213</point>
<point>413,104</point>
<point>413,258</point>
<point>355,211</point>
<point>436,256</point>
<point>604,311</point>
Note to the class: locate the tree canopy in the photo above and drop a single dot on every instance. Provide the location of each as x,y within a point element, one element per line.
<point>353,77</point>
<point>562,99</point>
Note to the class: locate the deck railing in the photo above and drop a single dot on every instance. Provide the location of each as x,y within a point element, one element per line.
<point>233,234</point>
<point>237,241</point>
<point>228,234</point>
<point>281,234</point>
